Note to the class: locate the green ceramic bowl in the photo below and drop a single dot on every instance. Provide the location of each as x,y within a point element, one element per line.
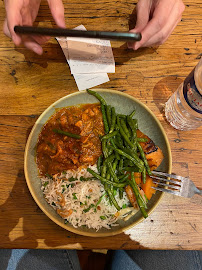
<point>123,103</point>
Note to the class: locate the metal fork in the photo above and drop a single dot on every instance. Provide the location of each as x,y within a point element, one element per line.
<point>181,186</point>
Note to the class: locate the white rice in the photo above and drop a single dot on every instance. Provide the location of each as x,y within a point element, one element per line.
<point>76,200</point>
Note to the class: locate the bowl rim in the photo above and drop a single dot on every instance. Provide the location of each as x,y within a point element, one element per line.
<point>63,225</point>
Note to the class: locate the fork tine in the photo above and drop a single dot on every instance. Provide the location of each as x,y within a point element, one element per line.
<point>174,176</point>
<point>167,190</point>
<point>167,185</point>
<point>166,180</point>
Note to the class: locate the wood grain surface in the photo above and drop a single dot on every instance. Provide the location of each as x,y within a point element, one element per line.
<point>30,83</point>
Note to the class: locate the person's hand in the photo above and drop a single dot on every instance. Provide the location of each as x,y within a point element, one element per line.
<point>24,12</point>
<point>156,19</point>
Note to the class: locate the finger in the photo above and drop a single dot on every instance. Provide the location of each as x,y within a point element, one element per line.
<point>143,10</point>
<point>161,36</point>
<point>13,18</point>
<point>57,11</point>
<point>172,21</point>
<point>30,44</point>
<point>40,39</point>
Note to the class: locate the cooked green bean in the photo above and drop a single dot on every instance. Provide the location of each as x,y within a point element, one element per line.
<point>59,131</point>
<point>99,163</point>
<point>120,168</point>
<point>104,180</point>
<point>135,123</point>
<point>121,115</point>
<point>109,135</point>
<point>144,176</point>
<point>112,172</point>
<point>142,154</point>
<point>131,169</point>
<point>109,158</point>
<point>111,196</point>
<point>124,127</point>
<point>132,126</point>
<point>140,200</point>
<point>138,162</point>
<point>95,94</point>
<point>142,139</point>
<point>109,115</point>
<point>104,170</point>
<point>113,122</point>
<point>132,114</point>
<point>123,134</point>
<point>104,117</point>
<point>104,148</point>
<point>124,178</point>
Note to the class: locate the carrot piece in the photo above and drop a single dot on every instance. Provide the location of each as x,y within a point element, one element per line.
<point>147,187</point>
<point>137,176</point>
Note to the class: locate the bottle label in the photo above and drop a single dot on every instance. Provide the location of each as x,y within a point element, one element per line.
<point>191,93</point>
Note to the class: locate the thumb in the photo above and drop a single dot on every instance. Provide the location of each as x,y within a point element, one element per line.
<point>57,11</point>
<point>142,10</point>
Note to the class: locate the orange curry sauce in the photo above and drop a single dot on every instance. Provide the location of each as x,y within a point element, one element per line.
<point>57,153</point>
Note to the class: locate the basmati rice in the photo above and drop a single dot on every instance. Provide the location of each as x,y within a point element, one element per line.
<point>78,201</point>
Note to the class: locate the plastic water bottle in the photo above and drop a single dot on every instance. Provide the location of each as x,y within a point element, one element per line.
<point>183,110</point>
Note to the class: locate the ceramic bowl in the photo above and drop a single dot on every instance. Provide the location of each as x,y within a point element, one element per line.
<point>123,103</point>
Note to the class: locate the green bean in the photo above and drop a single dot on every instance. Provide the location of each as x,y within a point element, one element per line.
<point>121,115</point>
<point>133,113</point>
<point>119,141</point>
<point>109,158</point>
<point>95,94</point>
<point>135,123</point>
<point>123,179</point>
<point>115,163</point>
<point>142,154</point>
<point>143,202</point>
<point>104,117</point>
<point>100,199</point>
<point>124,127</point>
<point>59,131</point>
<point>113,144</point>
<point>109,115</point>
<point>111,196</point>
<point>140,200</point>
<point>99,163</point>
<point>138,162</point>
<point>104,170</point>
<point>112,172</point>
<point>104,149</point>
<point>131,169</point>
<point>104,180</point>
<point>120,165</point>
<point>123,134</point>
<point>121,193</point>
<point>144,176</point>
<point>109,135</point>
<point>142,139</point>
<point>132,126</point>
<point>113,118</point>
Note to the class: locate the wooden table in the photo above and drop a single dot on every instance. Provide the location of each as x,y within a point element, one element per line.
<point>30,83</point>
